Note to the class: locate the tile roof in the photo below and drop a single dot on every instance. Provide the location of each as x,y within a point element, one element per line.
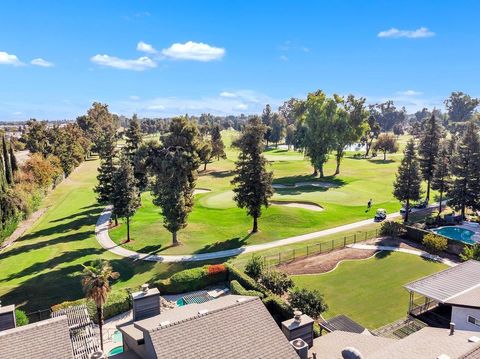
<point>452,282</point>
<point>46,339</point>
<point>234,327</point>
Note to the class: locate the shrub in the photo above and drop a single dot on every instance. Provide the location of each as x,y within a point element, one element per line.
<point>391,229</point>
<point>236,288</point>
<point>415,234</point>
<point>255,266</point>
<point>471,252</point>
<point>435,243</point>
<point>278,308</point>
<point>21,318</point>
<point>246,281</point>
<point>316,330</point>
<point>190,280</point>
<point>310,302</point>
<point>216,268</point>
<point>277,282</point>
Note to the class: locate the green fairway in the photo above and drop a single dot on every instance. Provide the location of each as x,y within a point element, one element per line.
<point>370,291</point>
<point>43,267</point>
<point>216,223</point>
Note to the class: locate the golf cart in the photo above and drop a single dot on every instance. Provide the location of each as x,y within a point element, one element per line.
<point>381,215</point>
<point>421,204</point>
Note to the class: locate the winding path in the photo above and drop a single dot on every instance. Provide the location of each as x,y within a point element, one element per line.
<point>101,233</point>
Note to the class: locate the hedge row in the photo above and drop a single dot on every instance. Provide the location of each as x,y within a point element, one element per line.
<point>118,302</point>
<point>278,308</point>
<point>236,288</point>
<point>190,280</point>
<point>246,281</point>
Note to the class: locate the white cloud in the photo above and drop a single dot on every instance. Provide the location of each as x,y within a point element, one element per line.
<point>140,64</point>
<point>283,58</point>
<point>412,34</point>
<point>134,98</point>
<point>197,51</point>
<point>228,94</point>
<point>9,59</point>
<point>41,62</point>
<point>242,107</point>
<point>409,93</point>
<point>144,47</point>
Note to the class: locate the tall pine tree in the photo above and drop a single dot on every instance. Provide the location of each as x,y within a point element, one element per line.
<point>218,147</point>
<point>13,160</point>
<point>465,191</point>
<point>133,137</point>
<point>407,185</point>
<point>175,168</point>
<point>253,184</point>
<point>428,149</point>
<point>8,164</point>
<point>3,178</point>
<point>441,179</point>
<point>125,196</point>
<point>107,152</point>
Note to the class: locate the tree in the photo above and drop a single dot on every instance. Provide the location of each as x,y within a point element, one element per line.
<point>386,143</point>
<point>125,196</point>
<point>7,163</point>
<point>278,129</point>
<point>13,160</point>
<point>133,137</point>
<point>407,185</point>
<point>35,137</point>
<point>96,286</point>
<point>255,266</point>
<point>289,110</point>
<point>3,178</point>
<point>107,152</point>
<point>435,243</point>
<point>460,106</point>
<point>253,184</point>
<point>205,154</point>
<point>372,131</point>
<point>290,135</point>
<point>471,252</point>
<point>175,168</point>
<point>69,144</point>
<point>277,282</point>
<point>97,124</point>
<point>309,302</point>
<point>43,170</point>
<point>428,149</point>
<point>398,130</point>
<point>218,148</point>
<point>441,179</point>
<point>267,122</point>
<point>422,115</point>
<point>387,115</point>
<point>465,190</point>
<point>318,116</point>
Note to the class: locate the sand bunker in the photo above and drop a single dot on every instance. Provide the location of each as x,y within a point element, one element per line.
<point>305,205</point>
<point>201,190</point>
<point>304,184</point>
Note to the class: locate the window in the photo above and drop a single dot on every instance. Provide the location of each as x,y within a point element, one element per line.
<point>474,321</point>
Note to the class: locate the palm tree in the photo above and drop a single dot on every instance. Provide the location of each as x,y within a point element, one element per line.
<point>96,287</point>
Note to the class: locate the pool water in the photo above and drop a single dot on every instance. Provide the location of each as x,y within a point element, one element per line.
<point>116,350</point>
<point>117,337</point>
<point>180,302</point>
<point>456,233</point>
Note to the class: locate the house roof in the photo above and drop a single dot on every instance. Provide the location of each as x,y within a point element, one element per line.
<point>46,339</point>
<point>343,323</point>
<point>228,327</point>
<point>451,285</point>
<point>427,343</point>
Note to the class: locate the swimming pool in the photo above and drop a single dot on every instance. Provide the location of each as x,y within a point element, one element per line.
<point>117,338</point>
<point>457,234</point>
<point>116,350</point>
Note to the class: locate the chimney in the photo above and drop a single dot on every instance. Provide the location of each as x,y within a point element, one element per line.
<point>351,353</point>
<point>300,347</point>
<point>7,317</point>
<point>300,326</point>
<point>452,328</point>
<point>146,303</point>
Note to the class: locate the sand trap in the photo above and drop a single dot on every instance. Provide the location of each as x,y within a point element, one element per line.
<point>305,205</point>
<point>201,190</point>
<point>305,184</point>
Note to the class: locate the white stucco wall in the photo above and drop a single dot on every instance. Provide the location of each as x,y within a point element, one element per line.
<point>460,318</point>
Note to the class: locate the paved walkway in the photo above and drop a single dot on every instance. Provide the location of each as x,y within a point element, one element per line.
<point>101,232</point>
<point>415,252</point>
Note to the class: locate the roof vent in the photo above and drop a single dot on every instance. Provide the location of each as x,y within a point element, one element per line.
<point>443,356</point>
<point>165,323</point>
<point>474,339</point>
<point>145,288</point>
<point>240,300</point>
<point>98,355</point>
<point>203,311</point>
<point>301,347</point>
<point>297,315</point>
<point>351,353</point>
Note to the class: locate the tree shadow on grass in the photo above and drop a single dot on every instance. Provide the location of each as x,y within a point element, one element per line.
<point>299,190</point>
<point>380,161</point>
<point>95,211</point>
<point>221,174</point>
<point>291,180</point>
<point>231,243</point>
<point>383,254</point>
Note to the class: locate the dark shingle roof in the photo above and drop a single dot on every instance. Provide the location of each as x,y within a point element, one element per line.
<point>452,282</point>
<point>343,323</point>
<point>46,339</point>
<point>240,330</point>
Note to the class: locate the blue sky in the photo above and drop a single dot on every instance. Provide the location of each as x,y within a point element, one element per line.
<point>160,58</point>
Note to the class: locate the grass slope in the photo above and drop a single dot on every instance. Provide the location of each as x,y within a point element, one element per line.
<point>370,291</point>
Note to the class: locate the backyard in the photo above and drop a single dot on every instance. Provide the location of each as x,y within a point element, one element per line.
<point>370,291</point>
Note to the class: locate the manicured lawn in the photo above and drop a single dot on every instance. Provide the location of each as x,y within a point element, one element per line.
<point>370,291</point>
<point>216,223</point>
<point>43,267</point>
